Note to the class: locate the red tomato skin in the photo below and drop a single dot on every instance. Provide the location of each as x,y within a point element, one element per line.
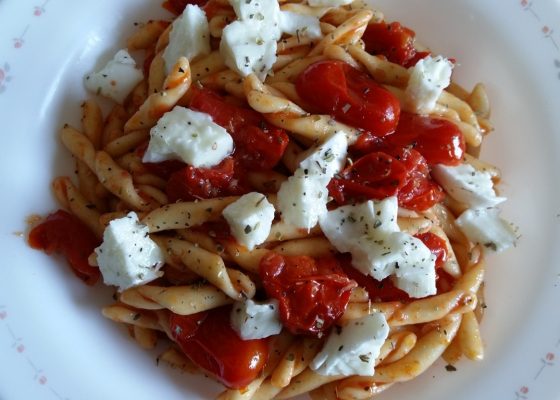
<point>393,41</point>
<point>258,144</point>
<point>208,339</point>
<point>439,141</point>
<point>61,232</point>
<point>436,245</point>
<point>190,183</point>
<point>312,293</point>
<point>336,88</point>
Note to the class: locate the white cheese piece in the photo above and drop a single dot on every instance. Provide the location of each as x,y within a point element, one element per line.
<point>300,25</point>
<point>485,227</point>
<point>467,185</point>
<point>353,349</point>
<point>370,233</point>
<point>250,219</point>
<point>326,159</point>
<point>428,78</point>
<point>116,79</point>
<point>128,257</point>
<point>189,37</point>
<point>302,199</point>
<point>247,47</point>
<point>189,136</point>
<point>253,320</point>
<point>259,11</point>
<point>328,3</point>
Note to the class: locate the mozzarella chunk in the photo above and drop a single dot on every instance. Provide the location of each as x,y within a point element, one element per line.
<point>352,350</point>
<point>253,320</point>
<point>250,219</point>
<point>189,37</point>
<point>189,136</point>
<point>326,159</point>
<point>259,11</point>
<point>467,185</point>
<point>247,48</point>
<point>369,232</point>
<point>300,25</point>
<point>428,78</point>
<point>302,199</point>
<point>485,227</point>
<point>116,79</point>
<point>128,257</point>
<point>328,3</point>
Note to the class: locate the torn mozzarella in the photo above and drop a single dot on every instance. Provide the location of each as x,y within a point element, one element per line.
<point>428,78</point>
<point>250,219</point>
<point>189,37</point>
<point>116,79</point>
<point>252,320</point>
<point>467,185</point>
<point>300,25</point>
<point>189,136</point>
<point>353,349</point>
<point>485,227</point>
<point>128,256</point>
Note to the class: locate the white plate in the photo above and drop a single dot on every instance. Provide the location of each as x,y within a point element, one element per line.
<point>54,344</point>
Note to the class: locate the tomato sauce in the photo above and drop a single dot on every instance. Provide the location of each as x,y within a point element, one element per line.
<point>61,232</point>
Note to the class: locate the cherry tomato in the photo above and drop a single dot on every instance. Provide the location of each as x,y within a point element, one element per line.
<point>439,141</point>
<point>375,176</point>
<point>403,173</point>
<point>63,233</point>
<point>208,339</point>
<point>419,191</point>
<point>312,293</point>
<point>436,245</point>
<point>393,41</point>
<point>258,144</point>
<point>190,183</point>
<point>336,88</point>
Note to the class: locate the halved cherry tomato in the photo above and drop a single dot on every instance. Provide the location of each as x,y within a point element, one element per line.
<point>336,88</point>
<point>403,173</point>
<point>312,293</point>
<point>63,233</point>
<point>436,245</point>
<point>208,339</point>
<point>394,41</point>
<point>374,176</point>
<point>258,144</point>
<point>439,141</point>
<point>190,183</point>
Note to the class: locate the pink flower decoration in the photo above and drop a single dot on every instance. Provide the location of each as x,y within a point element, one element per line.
<point>18,42</point>
<point>550,356</point>
<point>524,390</point>
<point>38,11</point>
<point>42,379</point>
<point>20,348</point>
<point>524,3</point>
<point>3,314</point>
<point>545,29</point>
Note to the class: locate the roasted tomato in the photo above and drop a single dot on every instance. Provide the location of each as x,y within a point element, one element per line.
<point>258,145</point>
<point>378,175</point>
<point>313,293</point>
<point>349,95</point>
<point>393,41</point>
<point>63,233</point>
<point>208,339</point>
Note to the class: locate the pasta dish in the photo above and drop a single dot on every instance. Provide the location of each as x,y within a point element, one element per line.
<point>287,193</point>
